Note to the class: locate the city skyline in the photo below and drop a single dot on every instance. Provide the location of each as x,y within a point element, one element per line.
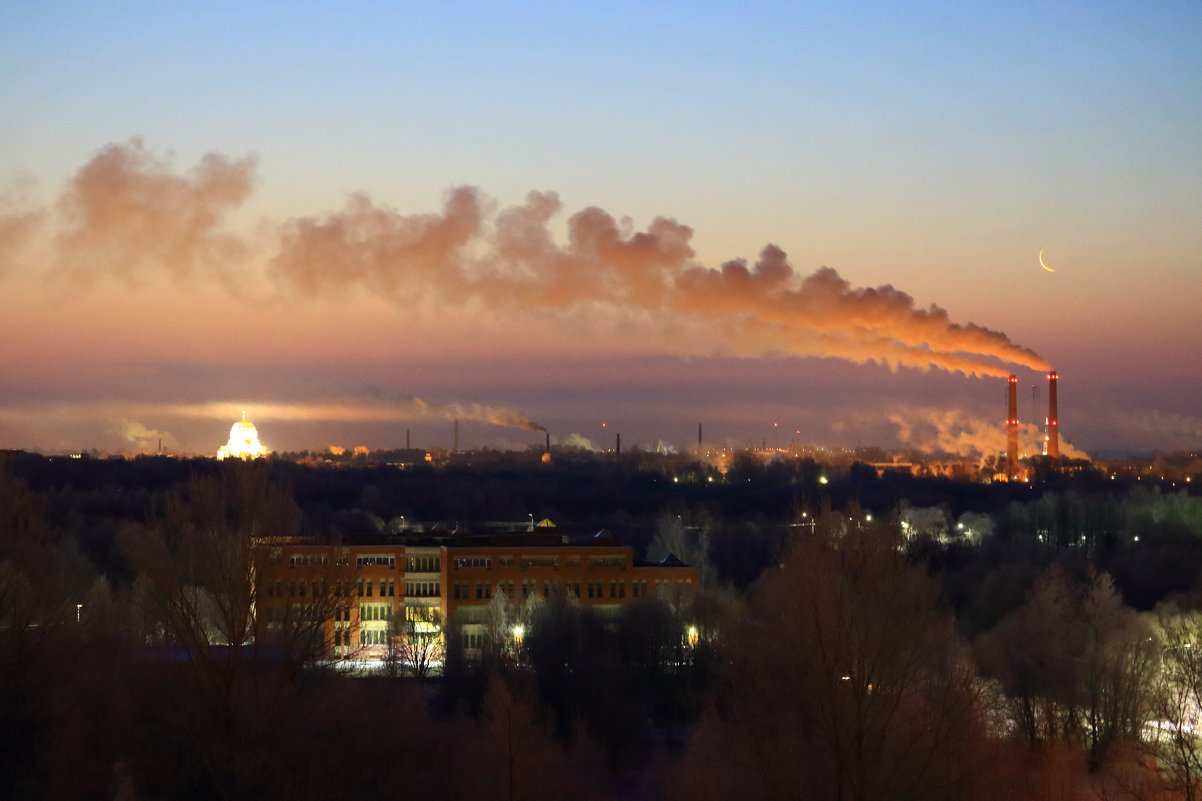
<point>346,247</point>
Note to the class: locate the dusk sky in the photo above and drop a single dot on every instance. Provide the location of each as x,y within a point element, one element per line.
<point>350,220</point>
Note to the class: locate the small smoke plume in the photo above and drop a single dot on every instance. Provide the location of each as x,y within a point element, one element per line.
<point>578,441</point>
<point>127,213</point>
<point>143,438</point>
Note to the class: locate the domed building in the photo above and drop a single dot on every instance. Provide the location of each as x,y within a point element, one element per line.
<point>244,442</point>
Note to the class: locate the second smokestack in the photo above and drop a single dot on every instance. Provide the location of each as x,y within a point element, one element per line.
<point>1053,422</point>
<point>1012,428</point>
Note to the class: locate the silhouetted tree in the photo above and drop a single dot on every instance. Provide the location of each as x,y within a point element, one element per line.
<point>847,681</point>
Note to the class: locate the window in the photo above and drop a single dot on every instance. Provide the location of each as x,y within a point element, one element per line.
<point>474,561</point>
<point>368,584</point>
<point>423,564</point>
<point>388,560</point>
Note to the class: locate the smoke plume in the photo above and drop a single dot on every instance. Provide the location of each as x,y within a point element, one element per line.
<point>143,438</point>
<point>955,432</point>
<point>125,212</point>
<point>128,213</point>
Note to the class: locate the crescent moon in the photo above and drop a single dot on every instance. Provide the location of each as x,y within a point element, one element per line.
<point>1044,266</point>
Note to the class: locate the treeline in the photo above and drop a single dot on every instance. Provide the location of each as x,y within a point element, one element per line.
<point>1040,646</point>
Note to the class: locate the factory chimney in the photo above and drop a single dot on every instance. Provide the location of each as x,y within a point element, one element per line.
<point>1053,423</point>
<point>455,439</point>
<point>548,441</point>
<point>1012,428</point>
<point>699,451</point>
<point>618,450</point>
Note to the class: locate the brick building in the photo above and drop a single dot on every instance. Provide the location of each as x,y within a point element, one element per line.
<point>369,592</point>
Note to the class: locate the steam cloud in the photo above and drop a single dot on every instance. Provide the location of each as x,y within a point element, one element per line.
<point>127,212</point>
<point>142,437</point>
<point>954,432</point>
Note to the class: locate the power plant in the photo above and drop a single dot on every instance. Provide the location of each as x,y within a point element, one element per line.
<point>1051,438</point>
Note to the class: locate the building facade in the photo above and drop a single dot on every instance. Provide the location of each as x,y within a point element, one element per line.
<point>409,593</point>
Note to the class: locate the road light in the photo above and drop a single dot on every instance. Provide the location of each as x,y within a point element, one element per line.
<point>692,636</point>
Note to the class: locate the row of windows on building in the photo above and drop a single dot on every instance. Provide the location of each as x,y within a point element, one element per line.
<point>610,562</point>
<point>364,588</point>
<point>483,590</point>
<point>414,564</point>
<point>429,563</point>
<point>366,637</point>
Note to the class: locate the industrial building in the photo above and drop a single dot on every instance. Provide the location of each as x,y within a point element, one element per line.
<point>434,583</point>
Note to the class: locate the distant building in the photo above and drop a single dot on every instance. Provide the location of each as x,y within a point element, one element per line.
<point>244,442</point>
<point>370,592</point>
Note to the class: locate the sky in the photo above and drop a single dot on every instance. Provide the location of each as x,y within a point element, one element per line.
<point>789,222</point>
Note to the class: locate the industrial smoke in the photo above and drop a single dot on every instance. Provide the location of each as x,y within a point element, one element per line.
<point>128,213</point>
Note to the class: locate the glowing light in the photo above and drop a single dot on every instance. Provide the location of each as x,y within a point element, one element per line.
<point>693,636</point>
<point>244,442</point>
<point>822,480</point>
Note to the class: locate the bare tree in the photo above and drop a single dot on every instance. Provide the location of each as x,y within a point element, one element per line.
<point>201,602</point>
<point>1177,703</point>
<point>1075,664</point>
<point>415,643</point>
<point>517,758</point>
<point>846,681</point>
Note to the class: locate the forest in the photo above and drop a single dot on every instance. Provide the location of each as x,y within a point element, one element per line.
<point>856,637</point>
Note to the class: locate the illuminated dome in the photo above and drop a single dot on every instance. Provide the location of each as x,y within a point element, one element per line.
<point>244,442</point>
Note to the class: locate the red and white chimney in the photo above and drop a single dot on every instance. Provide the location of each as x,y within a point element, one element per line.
<point>1053,425</point>
<point>1012,428</point>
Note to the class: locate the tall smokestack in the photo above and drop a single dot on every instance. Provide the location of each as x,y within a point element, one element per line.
<point>455,439</point>
<point>548,441</point>
<point>1053,423</point>
<point>1012,428</point>
<point>618,449</point>
<point>699,451</point>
